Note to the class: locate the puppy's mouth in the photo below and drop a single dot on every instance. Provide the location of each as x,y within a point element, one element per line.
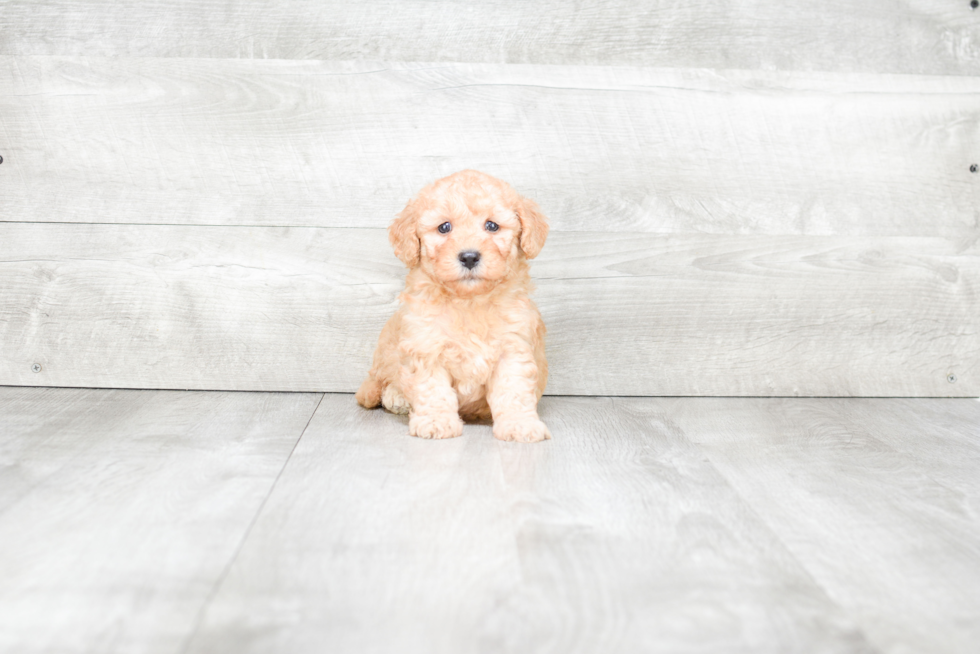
<point>468,276</point>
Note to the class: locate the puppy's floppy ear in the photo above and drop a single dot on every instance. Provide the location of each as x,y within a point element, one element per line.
<point>403,236</point>
<point>534,227</point>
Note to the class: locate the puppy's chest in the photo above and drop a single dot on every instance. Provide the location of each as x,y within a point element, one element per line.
<point>466,339</point>
<point>469,356</point>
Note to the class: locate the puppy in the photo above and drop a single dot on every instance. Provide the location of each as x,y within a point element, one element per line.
<point>467,341</point>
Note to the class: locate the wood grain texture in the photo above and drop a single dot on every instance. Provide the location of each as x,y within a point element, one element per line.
<point>894,36</point>
<point>660,525</point>
<point>119,510</point>
<point>874,503</point>
<point>300,309</point>
<point>175,141</point>
<point>615,536</point>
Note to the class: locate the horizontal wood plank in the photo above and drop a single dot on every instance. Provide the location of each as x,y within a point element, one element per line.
<point>615,536</point>
<point>121,510</point>
<point>300,309</point>
<point>876,501</point>
<point>898,36</point>
<point>173,141</point>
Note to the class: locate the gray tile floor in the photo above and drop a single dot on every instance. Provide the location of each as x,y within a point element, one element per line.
<point>166,521</point>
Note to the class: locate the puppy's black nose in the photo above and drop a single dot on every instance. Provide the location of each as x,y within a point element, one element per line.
<point>469,258</point>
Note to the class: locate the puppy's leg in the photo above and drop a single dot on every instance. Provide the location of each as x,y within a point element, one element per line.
<point>513,399</point>
<point>393,400</point>
<point>434,405</point>
<point>369,394</point>
<point>384,360</point>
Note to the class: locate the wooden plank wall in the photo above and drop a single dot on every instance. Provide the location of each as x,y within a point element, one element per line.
<point>764,200</point>
<point>934,37</point>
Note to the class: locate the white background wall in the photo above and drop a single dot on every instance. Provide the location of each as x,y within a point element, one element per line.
<point>746,198</point>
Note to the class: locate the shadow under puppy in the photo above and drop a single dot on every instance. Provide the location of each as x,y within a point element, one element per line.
<point>467,341</point>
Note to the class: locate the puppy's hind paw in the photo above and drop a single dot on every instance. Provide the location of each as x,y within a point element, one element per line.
<point>369,394</point>
<point>435,426</point>
<point>393,400</point>
<point>528,430</point>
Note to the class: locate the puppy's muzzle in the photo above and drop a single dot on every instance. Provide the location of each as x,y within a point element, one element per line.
<point>469,258</point>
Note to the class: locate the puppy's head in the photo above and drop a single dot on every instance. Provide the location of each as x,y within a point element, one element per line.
<point>468,231</point>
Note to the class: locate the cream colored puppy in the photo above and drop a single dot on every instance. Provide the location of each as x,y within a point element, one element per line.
<point>467,341</point>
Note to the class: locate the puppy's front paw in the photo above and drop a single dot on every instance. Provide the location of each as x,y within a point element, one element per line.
<point>435,426</point>
<point>528,430</point>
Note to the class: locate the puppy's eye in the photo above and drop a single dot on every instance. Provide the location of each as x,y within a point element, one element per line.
<point>491,226</point>
<point>445,228</point>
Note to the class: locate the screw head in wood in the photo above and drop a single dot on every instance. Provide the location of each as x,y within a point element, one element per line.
<point>974,4</point>
<point>36,367</point>
<point>974,168</point>
<point>951,378</point>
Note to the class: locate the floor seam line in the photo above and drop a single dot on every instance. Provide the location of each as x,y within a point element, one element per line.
<point>219,582</point>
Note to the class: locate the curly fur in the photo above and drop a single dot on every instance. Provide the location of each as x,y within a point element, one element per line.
<point>464,344</point>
